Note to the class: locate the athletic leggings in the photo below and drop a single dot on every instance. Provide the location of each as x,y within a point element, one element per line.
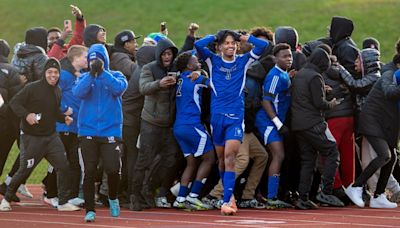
<point>385,160</point>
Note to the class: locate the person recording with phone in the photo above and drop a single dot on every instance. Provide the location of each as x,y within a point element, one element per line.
<point>57,47</point>
<point>38,106</point>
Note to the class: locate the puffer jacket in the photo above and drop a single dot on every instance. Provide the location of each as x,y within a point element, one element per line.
<point>159,103</point>
<point>29,61</point>
<point>287,34</point>
<point>370,59</point>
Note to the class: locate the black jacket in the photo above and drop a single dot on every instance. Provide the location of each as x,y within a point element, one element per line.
<point>122,60</point>
<point>132,99</point>
<point>308,94</point>
<point>339,91</point>
<point>39,97</point>
<point>159,103</point>
<point>343,46</point>
<point>380,114</point>
<point>388,66</point>
<point>29,60</point>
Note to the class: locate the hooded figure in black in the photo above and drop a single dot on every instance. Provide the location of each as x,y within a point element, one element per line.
<point>287,34</point>
<point>312,133</point>
<point>379,124</point>
<point>90,36</point>
<point>157,84</point>
<point>344,47</point>
<point>30,57</point>
<point>10,84</point>
<point>132,105</point>
<point>38,106</point>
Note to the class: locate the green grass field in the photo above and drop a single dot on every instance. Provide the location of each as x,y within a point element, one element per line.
<point>375,18</point>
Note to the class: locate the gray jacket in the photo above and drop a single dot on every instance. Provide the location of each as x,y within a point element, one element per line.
<point>121,61</point>
<point>159,103</point>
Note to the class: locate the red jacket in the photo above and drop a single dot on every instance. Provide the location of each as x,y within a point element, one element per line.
<point>59,49</point>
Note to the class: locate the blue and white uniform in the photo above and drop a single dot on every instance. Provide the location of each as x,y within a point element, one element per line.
<point>190,134</point>
<point>227,81</point>
<point>276,90</point>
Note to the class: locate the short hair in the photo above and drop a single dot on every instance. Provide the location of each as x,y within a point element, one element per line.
<point>326,48</point>
<point>262,31</point>
<point>279,47</point>
<point>54,29</point>
<point>226,34</point>
<point>75,51</point>
<point>396,59</point>
<point>182,60</point>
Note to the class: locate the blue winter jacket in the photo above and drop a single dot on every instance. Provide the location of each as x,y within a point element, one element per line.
<point>100,113</point>
<point>66,83</point>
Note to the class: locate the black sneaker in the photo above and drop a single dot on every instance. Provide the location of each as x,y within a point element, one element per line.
<point>305,205</point>
<point>135,204</point>
<point>148,198</point>
<point>331,200</point>
<point>339,193</point>
<point>251,203</point>
<point>3,190</point>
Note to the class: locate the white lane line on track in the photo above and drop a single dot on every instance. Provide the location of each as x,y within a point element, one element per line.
<point>62,223</point>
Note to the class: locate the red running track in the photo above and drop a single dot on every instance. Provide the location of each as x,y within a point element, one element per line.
<point>33,213</point>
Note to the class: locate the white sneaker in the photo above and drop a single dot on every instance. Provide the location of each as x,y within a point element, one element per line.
<point>76,201</point>
<point>355,194</point>
<point>51,201</point>
<point>23,190</point>
<point>68,207</point>
<point>175,189</point>
<point>381,202</point>
<point>5,205</point>
<point>162,202</point>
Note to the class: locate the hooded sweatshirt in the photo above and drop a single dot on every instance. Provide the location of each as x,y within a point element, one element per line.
<point>132,100</point>
<point>100,113</point>
<point>308,93</point>
<point>39,97</point>
<point>159,103</point>
<point>343,46</point>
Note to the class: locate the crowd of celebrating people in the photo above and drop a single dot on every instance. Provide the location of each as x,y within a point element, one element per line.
<point>236,119</point>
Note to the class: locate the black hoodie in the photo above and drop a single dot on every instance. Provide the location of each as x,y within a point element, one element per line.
<point>132,100</point>
<point>39,97</point>
<point>308,94</point>
<point>343,46</point>
<point>90,34</point>
<point>159,103</point>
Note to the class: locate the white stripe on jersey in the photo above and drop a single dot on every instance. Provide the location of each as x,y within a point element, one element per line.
<point>276,103</point>
<point>267,133</point>
<point>246,67</point>
<point>196,96</point>
<point>274,83</point>
<point>254,55</point>
<point>202,143</point>
<point>209,64</point>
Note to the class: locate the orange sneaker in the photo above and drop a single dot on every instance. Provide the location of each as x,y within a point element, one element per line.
<point>232,203</point>
<point>226,209</point>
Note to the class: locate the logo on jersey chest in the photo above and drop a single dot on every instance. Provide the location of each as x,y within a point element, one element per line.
<point>228,71</point>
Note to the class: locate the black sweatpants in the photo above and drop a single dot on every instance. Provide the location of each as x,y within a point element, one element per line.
<point>33,150</point>
<point>93,149</point>
<point>8,134</point>
<point>130,135</point>
<point>311,141</point>
<point>71,144</point>
<point>385,160</point>
<point>154,140</point>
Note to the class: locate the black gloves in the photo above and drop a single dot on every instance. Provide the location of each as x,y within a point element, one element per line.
<point>284,131</point>
<point>96,67</point>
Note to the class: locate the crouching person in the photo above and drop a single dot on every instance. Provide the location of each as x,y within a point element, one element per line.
<point>100,126</point>
<point>38,107</point>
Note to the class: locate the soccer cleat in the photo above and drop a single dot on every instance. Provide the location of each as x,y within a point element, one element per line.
<point>5,205</point>
<point>179,205</point>
<point>90,216</point>
<point>226,209</point>
<point>197,204</point>
<point>276,203</point>
<point>114,207</point>
<point>331,200</point>
<point>381,202</point>
<point>162,202</point>
<point>68,207</point>
<point>251,203</point>
<point>76,201</point>
<point>51,201</point>
<point>211,201</point>
<point>355,195</point>
<point>232,203</point>
<point>305,204</point>
<point>23,190</point>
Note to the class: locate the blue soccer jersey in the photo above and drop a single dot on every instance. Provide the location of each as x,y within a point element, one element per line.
<point>227,78</point>
<point>188,99</point>
<point>276,90</point>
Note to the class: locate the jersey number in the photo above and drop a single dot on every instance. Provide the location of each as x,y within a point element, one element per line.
<point>178,90</point>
